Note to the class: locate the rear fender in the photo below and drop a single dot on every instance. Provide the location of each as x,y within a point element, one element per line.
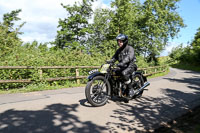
<point>144,78</point>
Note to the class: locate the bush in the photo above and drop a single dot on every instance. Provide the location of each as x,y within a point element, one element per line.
<point>37,55</point>
<point>34,55</point>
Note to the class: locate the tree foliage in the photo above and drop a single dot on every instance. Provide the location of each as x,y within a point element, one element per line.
<point>148,26</point>
<point>196,41</point>
<point>74,29</point>
<point>8,33</point>
<point>98,41</point>
<point>161,23</point>
<point>189,54</point>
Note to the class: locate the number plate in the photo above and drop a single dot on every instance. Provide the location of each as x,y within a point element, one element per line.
<point>93,71</point>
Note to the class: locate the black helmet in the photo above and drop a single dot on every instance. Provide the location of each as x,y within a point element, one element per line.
<point>123,38</point>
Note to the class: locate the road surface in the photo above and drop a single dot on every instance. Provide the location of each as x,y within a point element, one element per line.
<point>67,111</point>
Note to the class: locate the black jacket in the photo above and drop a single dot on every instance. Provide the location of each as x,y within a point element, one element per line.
<point>125,56</point>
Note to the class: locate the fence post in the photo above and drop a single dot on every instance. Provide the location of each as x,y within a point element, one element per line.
<point>77,74</point>
<point>40,74</point>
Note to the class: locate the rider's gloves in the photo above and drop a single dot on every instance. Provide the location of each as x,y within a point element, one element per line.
<point>120,64</point>
<point>110,61</point>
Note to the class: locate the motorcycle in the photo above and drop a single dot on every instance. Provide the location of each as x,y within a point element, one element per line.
<point>105,83</point>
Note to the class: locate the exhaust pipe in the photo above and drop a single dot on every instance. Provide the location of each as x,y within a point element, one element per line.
<point>144,86</point>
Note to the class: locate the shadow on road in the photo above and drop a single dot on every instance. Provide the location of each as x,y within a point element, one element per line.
<point>146,113</point>
<point>150,112</point>
<point>55,118</point>
<point>84,102</point>
<point>195,81</point>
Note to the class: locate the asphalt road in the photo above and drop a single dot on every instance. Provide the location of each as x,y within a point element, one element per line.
<point>66,110</point>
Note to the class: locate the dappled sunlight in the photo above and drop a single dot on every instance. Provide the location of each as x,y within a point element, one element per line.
<point>55,118</point>
<point>149,113</point>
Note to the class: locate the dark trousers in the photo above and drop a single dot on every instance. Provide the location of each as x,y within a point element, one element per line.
<point>125,73</point>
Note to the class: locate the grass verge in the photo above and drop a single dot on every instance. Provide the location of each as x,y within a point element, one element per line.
<point>158,74</point>
<point>187,123</point>
<point>186,67</point>
<point>39,87</point>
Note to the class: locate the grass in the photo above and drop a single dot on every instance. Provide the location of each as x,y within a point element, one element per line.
<point>187,66</point>
<point>158,74</point>
<point>197,129</point>
<point>39,87</point>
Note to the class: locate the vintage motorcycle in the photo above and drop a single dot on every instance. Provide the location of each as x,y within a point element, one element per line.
<point>105,83</point>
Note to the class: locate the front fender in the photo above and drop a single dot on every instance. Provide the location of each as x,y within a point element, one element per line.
<point>91,76</point>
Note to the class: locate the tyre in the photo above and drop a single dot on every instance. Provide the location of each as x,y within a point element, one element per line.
<point>138,82</point>
<point>97,91</point>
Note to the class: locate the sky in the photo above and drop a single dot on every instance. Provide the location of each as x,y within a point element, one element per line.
<point>41,17</point>
<point>189,10</point>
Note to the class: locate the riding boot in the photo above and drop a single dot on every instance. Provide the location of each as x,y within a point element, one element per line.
<point>128,81</point>
<point>131,92</point>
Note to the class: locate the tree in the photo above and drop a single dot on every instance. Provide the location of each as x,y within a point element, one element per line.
<point>189,54</point>
<point>8,34</point>
<point>10,18</point>
<point>123,16</point>
<point>97,41</point>
<point>161,22</point>
<point>177,52</point>
<point>195,48</point>
<point>74,29</point>
<point>196,41</point>
<point>149,25</point>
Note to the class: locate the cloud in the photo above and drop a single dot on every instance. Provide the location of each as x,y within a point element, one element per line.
<point>170,46</point>
<point>41,16</point>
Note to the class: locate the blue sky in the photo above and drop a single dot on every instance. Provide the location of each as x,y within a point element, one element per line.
<point>189,10</point>
<point>42,17</point>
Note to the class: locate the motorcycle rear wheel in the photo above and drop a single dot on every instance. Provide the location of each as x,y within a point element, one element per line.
<point>97,91</point>
<point>138,83</point>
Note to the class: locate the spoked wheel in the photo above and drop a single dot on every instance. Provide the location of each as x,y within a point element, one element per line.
<point>138,83</point>
<point>97,91</point>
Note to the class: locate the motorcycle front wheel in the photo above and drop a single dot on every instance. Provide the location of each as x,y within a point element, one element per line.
<point>97,91</point>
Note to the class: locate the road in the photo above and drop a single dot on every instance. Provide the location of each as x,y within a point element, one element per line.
<point>66,110</point>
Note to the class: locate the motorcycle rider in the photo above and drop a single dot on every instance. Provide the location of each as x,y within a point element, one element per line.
<point>126,58</point>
